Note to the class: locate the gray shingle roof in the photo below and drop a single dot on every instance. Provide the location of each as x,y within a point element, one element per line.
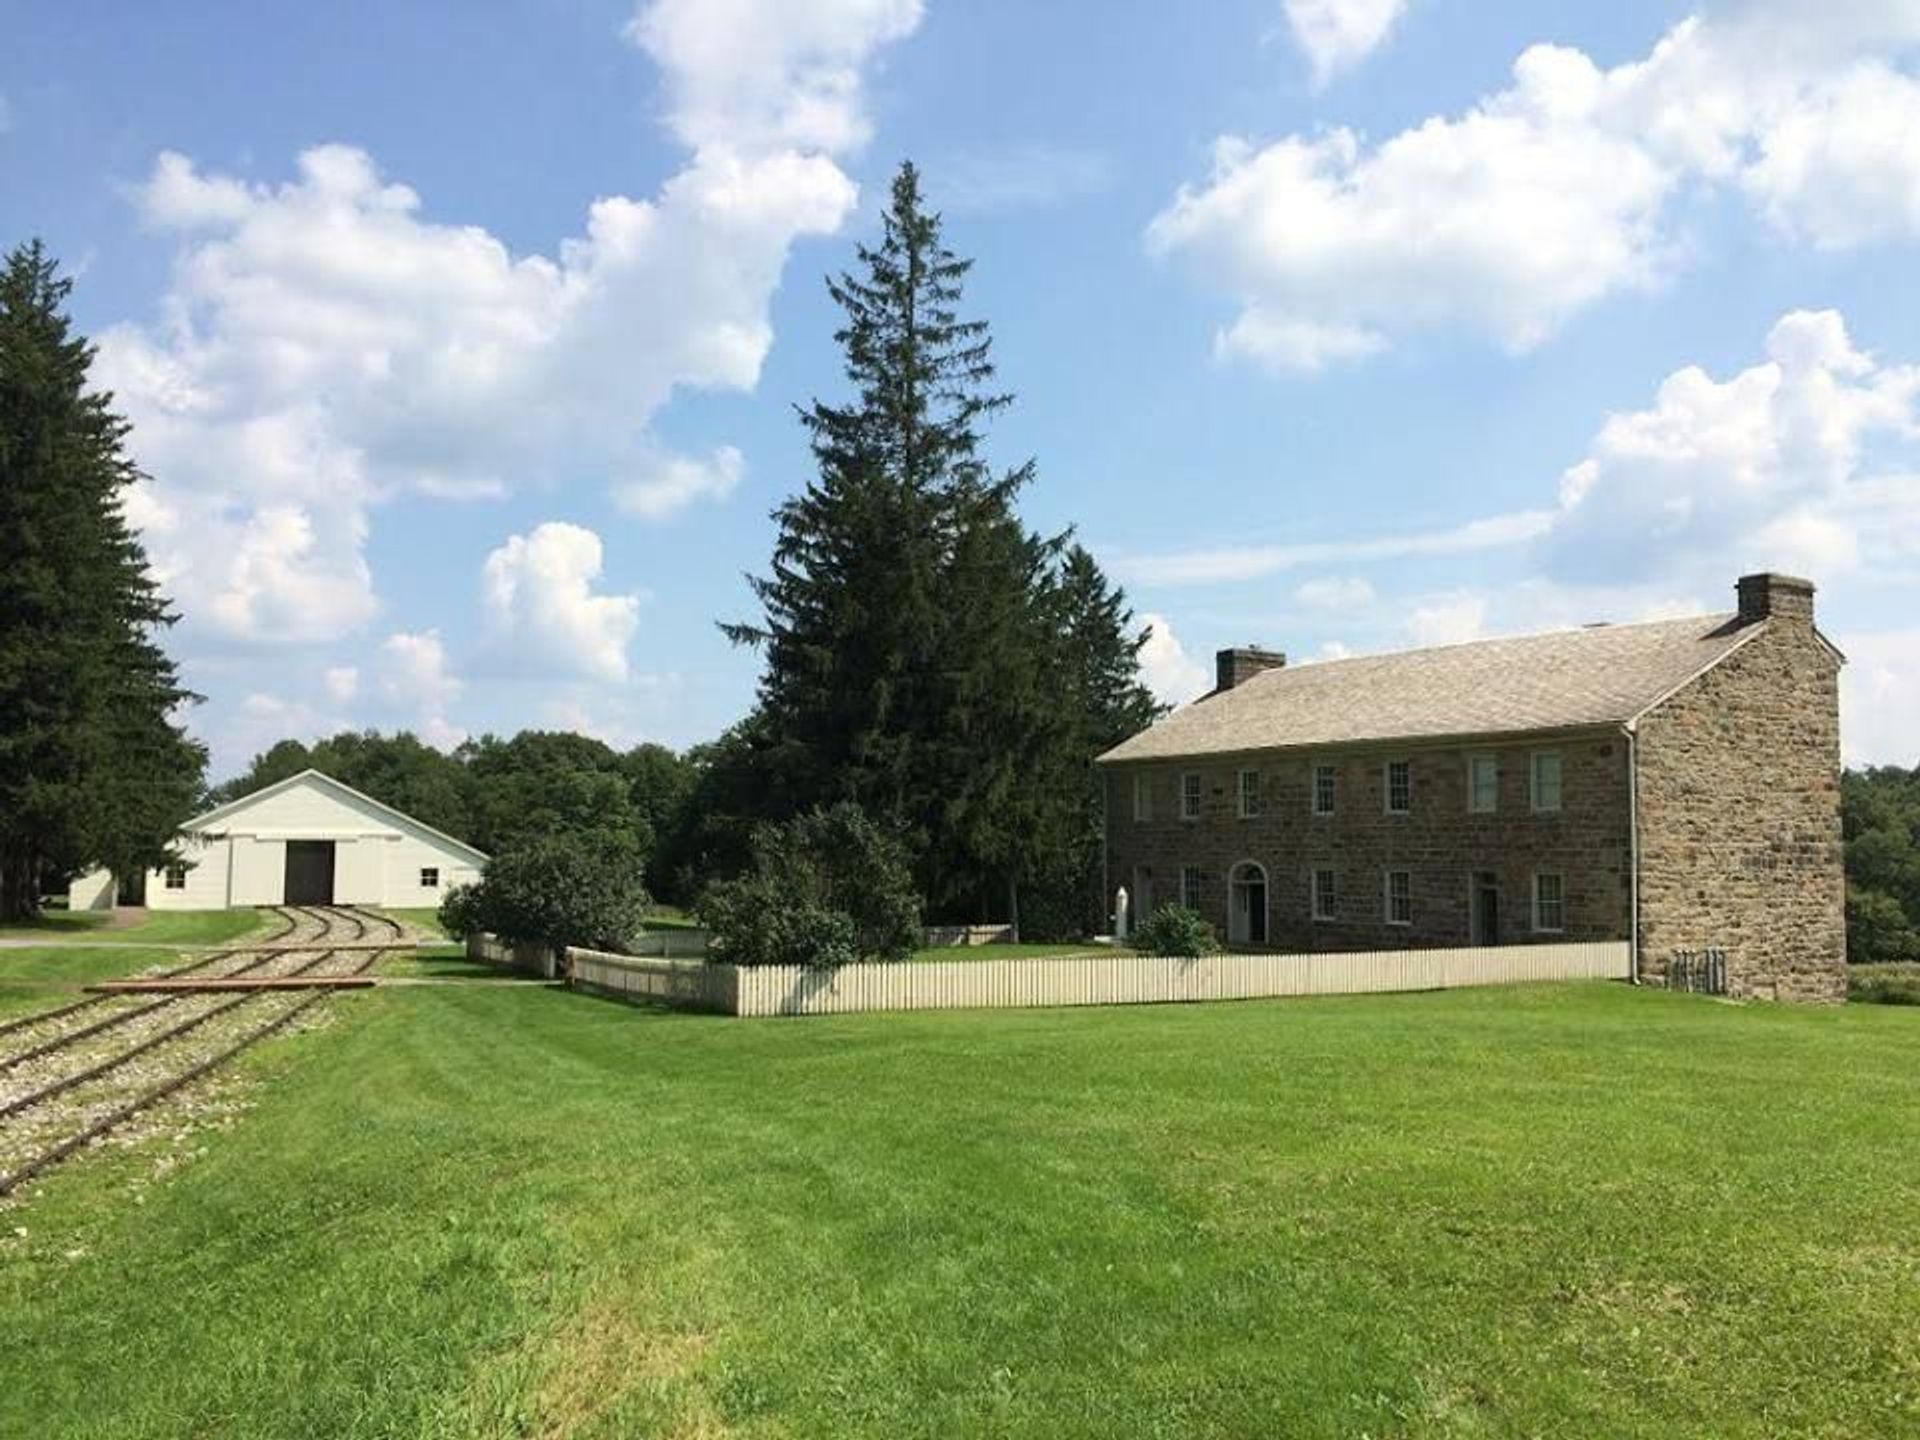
<point>1559,681</point>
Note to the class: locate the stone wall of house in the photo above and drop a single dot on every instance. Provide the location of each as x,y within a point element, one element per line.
<point>1440,841</point>
<point>1739,792</point>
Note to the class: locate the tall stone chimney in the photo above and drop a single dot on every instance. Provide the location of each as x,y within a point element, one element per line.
<point>1767,596</point>
<point>1230,667</point>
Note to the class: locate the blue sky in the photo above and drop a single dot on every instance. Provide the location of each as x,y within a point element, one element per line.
<point>462,345</point>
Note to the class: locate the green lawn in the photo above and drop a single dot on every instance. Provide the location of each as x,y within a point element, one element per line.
<point>426,920</point>
<point>1014,952</point>
<point>160,927</point>
<point>55,967</point>
<point>489,1211</point>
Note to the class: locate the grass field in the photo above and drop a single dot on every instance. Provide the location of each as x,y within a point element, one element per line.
<point>160,927</point>
<point>425,920</point>
<point>489,1211</point>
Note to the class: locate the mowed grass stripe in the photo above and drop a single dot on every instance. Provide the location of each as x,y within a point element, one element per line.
<point>474,1211</point>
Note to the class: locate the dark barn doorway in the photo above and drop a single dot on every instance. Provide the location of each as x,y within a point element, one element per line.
<point>309,872</point>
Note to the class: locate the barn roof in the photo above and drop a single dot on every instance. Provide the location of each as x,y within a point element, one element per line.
<point>220,812</point>
<point>1563,680</point>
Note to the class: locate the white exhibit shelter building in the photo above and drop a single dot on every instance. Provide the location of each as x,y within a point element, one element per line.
<point>305,840</point>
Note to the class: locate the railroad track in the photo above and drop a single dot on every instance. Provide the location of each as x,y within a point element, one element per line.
<point>72,1087</point>
<point>290,917</point>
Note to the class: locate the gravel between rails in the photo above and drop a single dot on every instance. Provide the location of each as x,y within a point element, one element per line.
<point>149,1067</point>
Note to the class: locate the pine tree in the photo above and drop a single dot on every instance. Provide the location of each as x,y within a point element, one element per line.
<point>93,768</point>
<point>914,628</point>
<point>860,689</point>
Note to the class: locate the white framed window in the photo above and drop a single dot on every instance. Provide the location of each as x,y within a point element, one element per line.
<point>1399,897</point>
<point>1249,794</point>
<point>1326,895</point>
<point>1549,902</point>
<point>1483,784</point>
<point>1399,782</point>
<point>1190,795</point>
<point>1546,781</point>
<point>1192,886</point>
<point>176,877</point>
<point>1142,796</point>
<point>430,877</point>
<point>1326,788</point>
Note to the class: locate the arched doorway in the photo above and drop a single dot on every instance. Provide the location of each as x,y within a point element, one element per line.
<point>1247,904</point>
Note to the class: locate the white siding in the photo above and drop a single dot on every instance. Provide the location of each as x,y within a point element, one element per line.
<point>92,891</point>
<point>206,879</point>
<point>378,854</point>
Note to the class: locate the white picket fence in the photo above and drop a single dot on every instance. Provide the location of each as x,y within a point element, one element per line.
<point>1091,980</point>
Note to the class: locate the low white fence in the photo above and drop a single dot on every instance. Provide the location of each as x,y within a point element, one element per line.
<point>939,937</point>
<point>670,941</point>
<point>1090,980</point>
<point>534,959</point>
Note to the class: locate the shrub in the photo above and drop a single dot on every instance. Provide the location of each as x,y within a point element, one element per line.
<point>1878,930</point>
<point>822,890</point>
<point>1884,984</point>
<point>577,890</point>
<point>1175,930</point>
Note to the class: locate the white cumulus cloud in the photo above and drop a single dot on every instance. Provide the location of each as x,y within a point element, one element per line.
<point>542,609</point>
<point>668,484</point>
<point>1173,675</point>
<point>325,344</point>
<point>1338,34</point>
<point>1559,190</point>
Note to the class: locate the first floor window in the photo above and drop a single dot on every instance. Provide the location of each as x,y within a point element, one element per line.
<point>1399,786</point>
<point>1324,789</point>
<point>1546,780</point>
<point>1399,897</point>
<point>1190,887</point>
<point>176,877</point>
<point>1249,794</point>
<point>1326,898</point>
<point>430,878</point>
<point>1143,797</point>
<point>1483,784</point>
<point>1549,902</point>
<point>1190,796</point>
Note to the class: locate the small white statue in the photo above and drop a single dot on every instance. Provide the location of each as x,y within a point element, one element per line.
<point>1122,915</point>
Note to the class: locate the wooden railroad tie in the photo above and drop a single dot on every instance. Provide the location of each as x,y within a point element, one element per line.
<point>187,985</point>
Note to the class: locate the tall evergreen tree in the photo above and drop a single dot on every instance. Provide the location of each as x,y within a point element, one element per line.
<point>93,767</point>
<point>912,624</point>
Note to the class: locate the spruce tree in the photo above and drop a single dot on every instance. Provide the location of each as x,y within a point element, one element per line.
<point>93,767</point>
<point>914,629</point>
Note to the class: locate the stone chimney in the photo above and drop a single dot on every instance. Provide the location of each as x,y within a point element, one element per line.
<point>1775,597</point>
<point>1230,667</point>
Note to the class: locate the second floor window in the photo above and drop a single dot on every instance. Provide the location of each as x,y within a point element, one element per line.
<point>1143,797</point>
<point>1483,784</point>
<point>1249,794</point>
<point>1546,780</point>
<point>1191,887</point>
<point>1190,796</point>
<point>1326,897</point>
<point>1399,786</point>
<point>1324,789</point>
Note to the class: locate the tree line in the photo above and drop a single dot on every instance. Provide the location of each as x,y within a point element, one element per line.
<point>1881,823</point>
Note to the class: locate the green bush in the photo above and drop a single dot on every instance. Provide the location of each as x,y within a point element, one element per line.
<point>1878,930</point>
<point>1175,930</point>
<point>822,890</point>
<point>579,890</point>
<point>1884,984</point>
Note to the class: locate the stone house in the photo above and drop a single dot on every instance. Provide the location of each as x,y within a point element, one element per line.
<point>1673,784</point>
